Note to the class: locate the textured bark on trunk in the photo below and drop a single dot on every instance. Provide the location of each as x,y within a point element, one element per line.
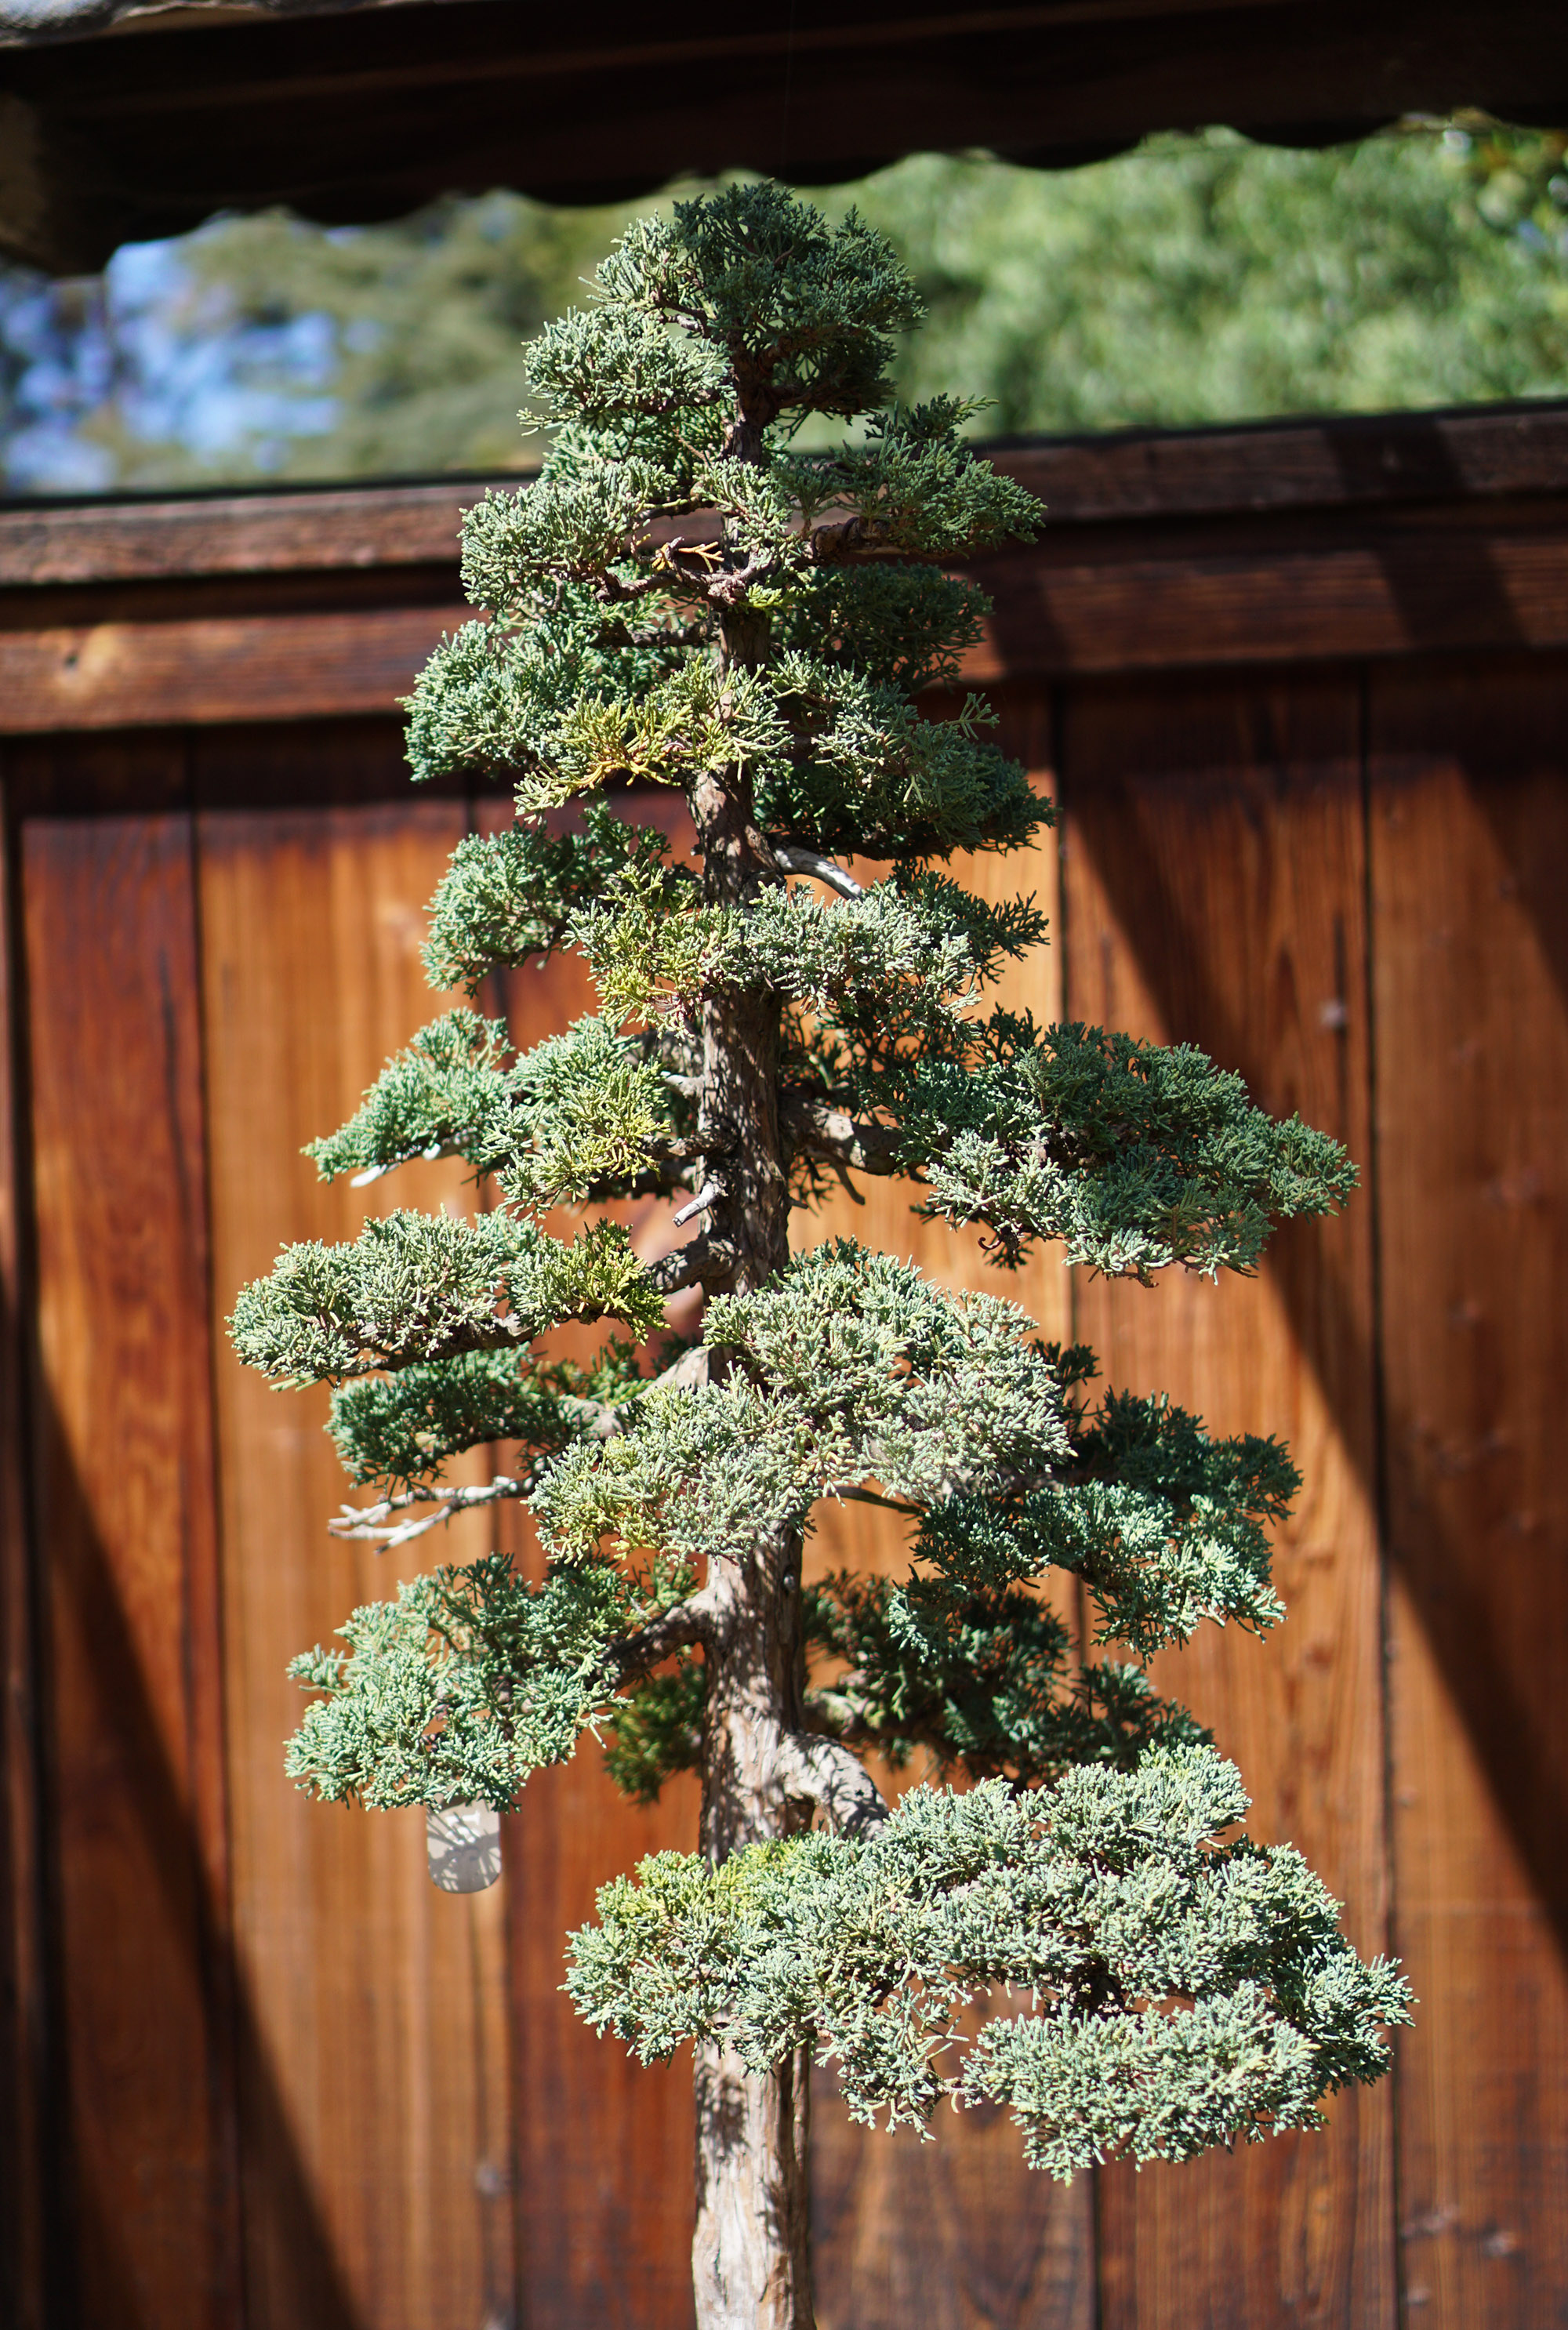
<point>751,2257</point>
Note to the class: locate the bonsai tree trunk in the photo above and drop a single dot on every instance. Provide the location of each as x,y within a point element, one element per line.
<point>751,2253</point>
<point>751,2257</point>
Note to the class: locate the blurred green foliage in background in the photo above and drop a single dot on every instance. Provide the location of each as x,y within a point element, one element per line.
<point>1198,278</point>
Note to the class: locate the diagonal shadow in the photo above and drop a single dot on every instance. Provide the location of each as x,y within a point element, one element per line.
<point>1513,767</point>
<point>138,1822</point>
<point>1508,1697</point>
<point>1456,595</point>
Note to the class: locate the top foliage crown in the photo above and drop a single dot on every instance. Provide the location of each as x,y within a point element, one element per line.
<point>679,394</point>
<point>772,309</point>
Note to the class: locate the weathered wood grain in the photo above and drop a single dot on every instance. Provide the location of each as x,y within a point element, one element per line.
<point>605,2146</point>
<point>220,667</point>
<point>140,541</point>
<point>1151,473</point>
<point>125,1495</point>
<point>1336,461</point>
<point>1084,602</point>
<point>1214,886</point>
<point>1469,874</point>
<point>26,2190</point>
<point>377,2153</point>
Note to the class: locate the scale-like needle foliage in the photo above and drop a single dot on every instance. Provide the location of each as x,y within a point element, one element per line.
<point>1184,1991</point>
<point>687,599</point>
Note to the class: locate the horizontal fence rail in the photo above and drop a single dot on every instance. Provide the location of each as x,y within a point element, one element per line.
<point>1401,536</point>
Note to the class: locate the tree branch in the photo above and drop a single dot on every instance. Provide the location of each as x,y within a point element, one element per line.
<point>362,1180</point>
<point>600,1419</point>
<point>688,1266</point>
<point>815,1128</point>
<point>689,1622</point>
<point>611,591</point>
<point>859,536</point>
<point>375,1521</point>
<point>871,1497</point>
<point>700,1204</point>
<point>679,635</point>
<point>687,1373</point>
<point>832,1778</point>
<point>796,858</point>
<point>729,588</point>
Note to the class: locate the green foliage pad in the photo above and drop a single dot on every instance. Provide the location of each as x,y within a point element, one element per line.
<point>1185,1991</point>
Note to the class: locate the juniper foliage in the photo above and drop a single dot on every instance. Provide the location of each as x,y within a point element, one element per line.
<point>1111,1893</point>
<point>688,597</point>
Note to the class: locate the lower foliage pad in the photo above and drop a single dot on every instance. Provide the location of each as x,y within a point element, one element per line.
<point>1181,1992</point>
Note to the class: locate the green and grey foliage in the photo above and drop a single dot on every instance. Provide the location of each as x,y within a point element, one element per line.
<point>459,1689</point>
<point>853,1367</point>
<point>424,1287</point>
<point>1134,1155</point>
<point>979,1680</point>
<point>701,595</point>
<point>1184,1992</point>
<point>1165,1527</point>
<point>446,1092</point>
<point>518,893</point>
<point>398,1429</point>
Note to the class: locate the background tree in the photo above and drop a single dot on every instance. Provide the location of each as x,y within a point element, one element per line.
<point>690,597</point>
<point>1199,277</point>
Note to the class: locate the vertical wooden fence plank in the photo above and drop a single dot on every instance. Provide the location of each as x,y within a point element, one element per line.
<point>957,2234</point>
<point>1469,843</point>
<point>125,1524</point>
<point>1215,881</point>
<point>605,2144</point>
<point>24,2037</point>
<point>374,2101</point>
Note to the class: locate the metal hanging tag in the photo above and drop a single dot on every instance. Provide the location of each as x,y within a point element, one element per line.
<point>463,1847</point>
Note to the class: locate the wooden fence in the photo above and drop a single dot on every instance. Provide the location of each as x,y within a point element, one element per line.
<point>1302,693</point>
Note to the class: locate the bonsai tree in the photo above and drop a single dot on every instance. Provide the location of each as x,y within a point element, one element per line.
<point>690,595</point>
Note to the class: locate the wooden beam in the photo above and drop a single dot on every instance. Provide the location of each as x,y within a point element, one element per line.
<point>367,113</point>
<point>1479,452</point>
<point>1386,537</point>
<point>201,672</point>
<point>1061,610</point>
<point>1076,607</point>
<point>350,527</point>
